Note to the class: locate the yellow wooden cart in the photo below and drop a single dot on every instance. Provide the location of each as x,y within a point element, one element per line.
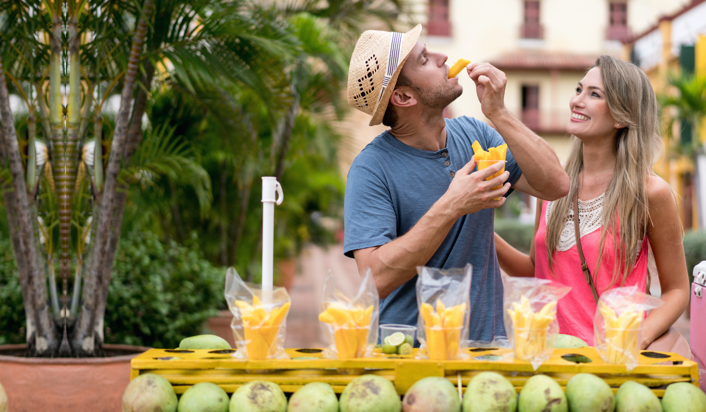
<point>184,368</point>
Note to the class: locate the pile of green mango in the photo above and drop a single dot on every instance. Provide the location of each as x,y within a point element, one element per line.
<point>486,392</point>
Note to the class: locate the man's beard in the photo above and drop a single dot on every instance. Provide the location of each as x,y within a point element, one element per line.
<point>440,97</point>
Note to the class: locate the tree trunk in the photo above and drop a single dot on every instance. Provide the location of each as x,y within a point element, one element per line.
<point>85,339</point>
<point>45,342</point>
<point>134,137</point>
<point>20,258</point>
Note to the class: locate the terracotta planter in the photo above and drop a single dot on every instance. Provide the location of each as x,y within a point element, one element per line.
<point>66,384</point>
<point>287,271</point>
<point>220,326</point>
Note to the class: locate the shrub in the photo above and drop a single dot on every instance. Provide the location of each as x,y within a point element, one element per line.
<point>518,235</point>
<point>159,293</point>
<point>12,312</point>
<point>695,250</point>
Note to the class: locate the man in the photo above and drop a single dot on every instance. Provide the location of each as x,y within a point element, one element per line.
<point>412,196</point>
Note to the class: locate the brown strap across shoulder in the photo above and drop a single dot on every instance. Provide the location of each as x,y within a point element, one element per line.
<point>584,266</point>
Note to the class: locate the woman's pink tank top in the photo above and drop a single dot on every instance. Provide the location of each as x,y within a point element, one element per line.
<point>576,310</point>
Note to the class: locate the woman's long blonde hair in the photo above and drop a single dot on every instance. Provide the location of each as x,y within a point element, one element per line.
<point>631,102</point>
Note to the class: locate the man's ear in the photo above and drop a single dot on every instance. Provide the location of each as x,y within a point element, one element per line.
<point>403,97</point>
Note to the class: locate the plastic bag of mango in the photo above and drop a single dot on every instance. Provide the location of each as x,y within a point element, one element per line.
<point>443,298</point>
<point>350,323</point>
<point>618,324</point>
<point>530,317</point>
<point>259,319</point>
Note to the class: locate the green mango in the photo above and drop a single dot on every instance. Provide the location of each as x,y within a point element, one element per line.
<point>314,397</point>
<point>204,342</point>
<point>258,396</point>
<point>683,397</point>
<point>149,392</point>
<point>489,392</point>
<point>568,342</point>
<point>636,397</point>
<point>204,397</point>
<point>542,394</point>
<point>589,393</point>
<point>431,394</point>
<point>370,393</point>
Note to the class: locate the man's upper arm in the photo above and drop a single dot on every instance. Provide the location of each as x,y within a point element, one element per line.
<point>369,215</point>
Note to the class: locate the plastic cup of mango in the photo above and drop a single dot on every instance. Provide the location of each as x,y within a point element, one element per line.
<point>484,164</point>
<point>397,339</point>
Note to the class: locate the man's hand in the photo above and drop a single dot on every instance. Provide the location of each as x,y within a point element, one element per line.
<point>490,87</point>
<point>470,192</point>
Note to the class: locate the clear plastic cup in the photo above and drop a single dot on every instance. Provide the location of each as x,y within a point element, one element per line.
<point>390,328</point>
<point>484,164</point>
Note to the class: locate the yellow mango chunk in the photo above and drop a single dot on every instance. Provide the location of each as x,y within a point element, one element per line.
<point>457,67</point>
<point>350,329</point>
<point>530,328</point>
<point>486,159</point>
<point>493,153</point>
<point>621,333</point>
<point>261,327</point>
<point>443,329</point>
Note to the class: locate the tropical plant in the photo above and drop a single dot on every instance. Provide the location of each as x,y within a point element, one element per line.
<point>260,84</point>
<point>685,106</point>
<point>82,53</point>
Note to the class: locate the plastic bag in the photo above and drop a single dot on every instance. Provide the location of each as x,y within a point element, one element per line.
<point>259,319</point>
<point>530,317</point>
<point>618,324</point>
<point>350,324</point>
<point>444,301</point>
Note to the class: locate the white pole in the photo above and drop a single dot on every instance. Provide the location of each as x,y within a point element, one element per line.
<point>270,187</point>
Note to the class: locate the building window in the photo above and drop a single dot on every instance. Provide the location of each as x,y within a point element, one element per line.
<point>530,106</point>
<point>617,21</point>
<point>439,24</point>
<point>531,27</point>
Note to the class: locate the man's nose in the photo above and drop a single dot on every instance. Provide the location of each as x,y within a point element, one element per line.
<point>442,58</point>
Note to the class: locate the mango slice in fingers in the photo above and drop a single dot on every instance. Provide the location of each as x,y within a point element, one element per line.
<point>457,67</point>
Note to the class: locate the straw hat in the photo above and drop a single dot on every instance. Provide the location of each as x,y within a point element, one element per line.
<point>375,65</point>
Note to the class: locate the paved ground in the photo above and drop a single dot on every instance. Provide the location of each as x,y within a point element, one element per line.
<point>303,328</point>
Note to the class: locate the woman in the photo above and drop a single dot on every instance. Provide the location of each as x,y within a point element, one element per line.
<point>624,208</point>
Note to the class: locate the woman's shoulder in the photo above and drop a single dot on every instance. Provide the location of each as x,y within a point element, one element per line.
<point>659,192</point>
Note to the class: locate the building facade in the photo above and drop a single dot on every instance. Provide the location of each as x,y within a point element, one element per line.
<point>676,43</point>
<point>544,47</point>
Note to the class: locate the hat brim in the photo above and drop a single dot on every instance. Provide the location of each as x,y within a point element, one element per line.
<point>408,41</point>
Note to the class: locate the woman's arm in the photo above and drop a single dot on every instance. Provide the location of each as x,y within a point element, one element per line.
<point>512,261</point>
<point>665,236</point>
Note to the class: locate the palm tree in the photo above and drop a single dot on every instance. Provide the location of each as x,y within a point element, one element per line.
<point>686,106</point>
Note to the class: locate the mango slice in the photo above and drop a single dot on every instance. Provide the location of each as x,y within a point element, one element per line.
<point>350,329</point>
<point>621,333</point>
<point>530,328</point>
<point>261,327</point>
<point>457,67</point>
<point>486,159</point>
<point>443,329</point>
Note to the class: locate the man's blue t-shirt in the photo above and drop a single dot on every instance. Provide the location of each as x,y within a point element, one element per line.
<point>391,186</point>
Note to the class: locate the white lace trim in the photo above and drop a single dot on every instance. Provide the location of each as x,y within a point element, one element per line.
<point>590,212</point>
